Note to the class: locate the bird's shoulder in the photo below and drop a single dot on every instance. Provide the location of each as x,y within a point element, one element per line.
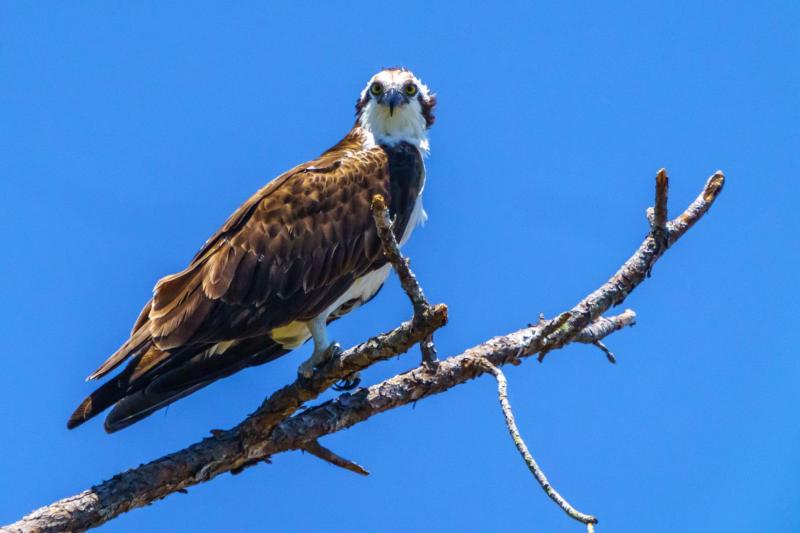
<point>306,230</point>
<point>324,190</point>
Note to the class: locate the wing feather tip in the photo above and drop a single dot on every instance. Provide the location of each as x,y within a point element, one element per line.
<point>112,427</point>
<point>81,414</point>
<point>104,369</point>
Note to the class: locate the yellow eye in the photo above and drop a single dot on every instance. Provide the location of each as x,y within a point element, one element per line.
<point>410,89</point>
<point>376,89</point>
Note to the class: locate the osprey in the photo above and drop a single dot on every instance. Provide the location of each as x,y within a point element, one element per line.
<point>300,253</point>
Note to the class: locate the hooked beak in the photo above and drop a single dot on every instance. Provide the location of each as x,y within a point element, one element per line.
<point>392,98</point>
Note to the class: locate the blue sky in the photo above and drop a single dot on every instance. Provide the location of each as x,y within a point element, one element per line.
<point>129,131</point>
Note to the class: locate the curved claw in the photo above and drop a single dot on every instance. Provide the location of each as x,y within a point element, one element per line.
<point>347,384</point>
<point>334,350</point>
<point>318,358</point>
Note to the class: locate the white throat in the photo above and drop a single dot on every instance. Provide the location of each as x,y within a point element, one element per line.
<point>406,124</point>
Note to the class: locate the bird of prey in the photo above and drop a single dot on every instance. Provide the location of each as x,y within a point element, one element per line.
<point>301,252</point>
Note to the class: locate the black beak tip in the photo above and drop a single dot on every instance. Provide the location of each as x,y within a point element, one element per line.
<point>392,98</point>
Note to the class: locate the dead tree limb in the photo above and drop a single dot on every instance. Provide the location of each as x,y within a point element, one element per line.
<point>603,327</point>
<point>315,448</point>
<point>401,266</point>
<point>533,466</point>
<point>259,437</point>
<point>391,249</point>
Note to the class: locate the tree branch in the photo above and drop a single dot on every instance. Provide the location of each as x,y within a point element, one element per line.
<point>401,265</point>
<point>602,327</point>
<point>660,209</point>
<point>315,448</point>
<point>255,441</point>
<point>533,466</point>
<point>391,249</point>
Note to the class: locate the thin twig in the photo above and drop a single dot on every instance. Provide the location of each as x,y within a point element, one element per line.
<point>546,329</point>
<point>660,208</point>
<point>533,466</point>
<point>233,450</point>
<point>604,326</point>
<point>428,349</point>
<point>699,207</point>
<point>318,450</point>
<point>638,267</point>
<point>609,354</point>
<point>391,249</point>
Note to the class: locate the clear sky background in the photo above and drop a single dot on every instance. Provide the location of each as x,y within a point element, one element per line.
<point>129,131</point>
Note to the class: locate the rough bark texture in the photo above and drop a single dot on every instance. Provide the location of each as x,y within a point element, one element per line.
<point>271,430</point>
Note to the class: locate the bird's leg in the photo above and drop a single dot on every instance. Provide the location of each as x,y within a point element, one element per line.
<point>323,348</point>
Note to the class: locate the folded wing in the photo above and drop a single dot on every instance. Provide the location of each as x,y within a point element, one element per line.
<point>285,255</point>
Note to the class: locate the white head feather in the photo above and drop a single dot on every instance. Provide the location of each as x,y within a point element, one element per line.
<point>408,121</point>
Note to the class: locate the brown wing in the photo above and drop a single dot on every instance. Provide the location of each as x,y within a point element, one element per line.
<point>284,255</point>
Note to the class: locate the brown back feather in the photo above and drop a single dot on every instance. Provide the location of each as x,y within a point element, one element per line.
<point>286,254</point>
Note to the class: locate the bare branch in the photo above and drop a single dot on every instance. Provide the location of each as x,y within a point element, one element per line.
<point>609,354</point>
<point>638,266</point>
<point>603,327</point>
<point>698,208</point>
<point>250,443</point>
<point>287,400</point>
<point>660,209</point>
<point>223,451</point>
<point>428,349</point>
<point>533,466</point>
<point>318,450</point>
<point>391,249</point>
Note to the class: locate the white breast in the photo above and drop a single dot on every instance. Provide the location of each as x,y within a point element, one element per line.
<point>296,333</point>
<point>362,289</point>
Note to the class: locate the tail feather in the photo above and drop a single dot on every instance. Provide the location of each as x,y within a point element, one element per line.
<point>101,399</point>
<point>140,404</point>
<point>191,375</point>
<point>144,387</point>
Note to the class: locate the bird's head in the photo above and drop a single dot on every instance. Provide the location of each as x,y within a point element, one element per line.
<point>396,106</point>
